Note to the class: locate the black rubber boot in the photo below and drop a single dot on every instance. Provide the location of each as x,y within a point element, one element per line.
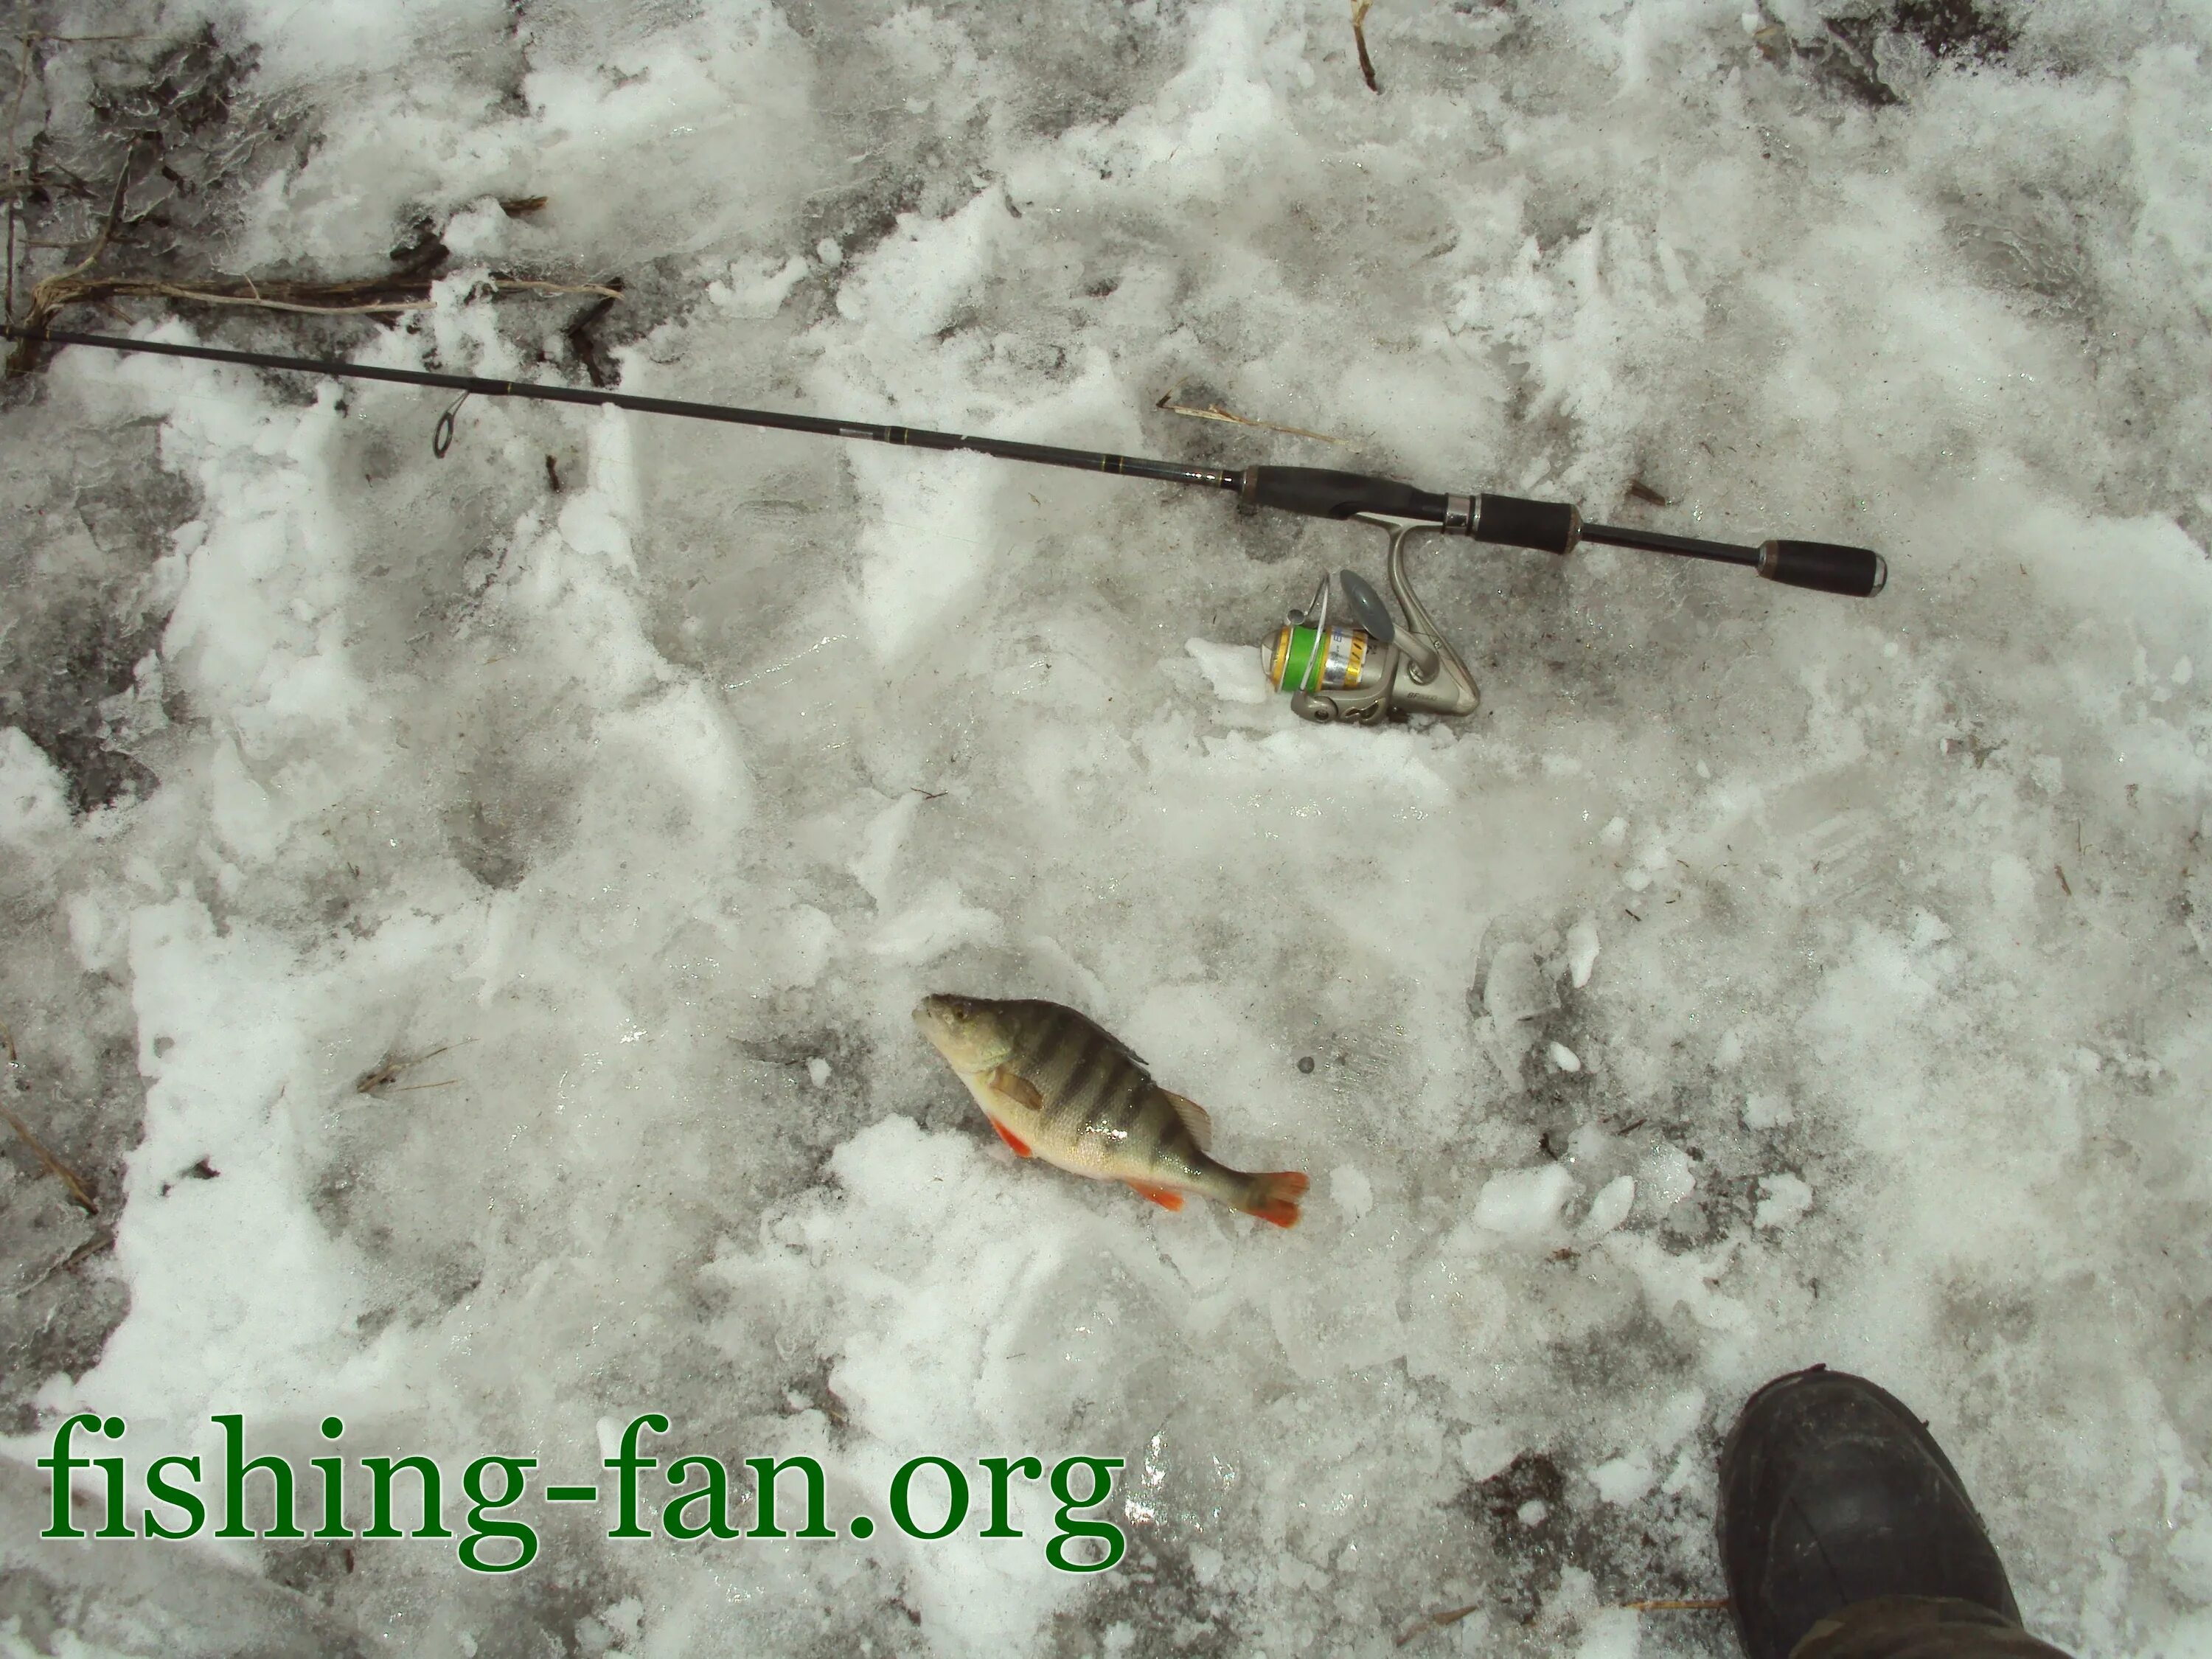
<point>1832,1494</point>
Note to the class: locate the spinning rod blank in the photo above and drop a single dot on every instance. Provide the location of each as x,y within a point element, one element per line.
<point>1507,520</point>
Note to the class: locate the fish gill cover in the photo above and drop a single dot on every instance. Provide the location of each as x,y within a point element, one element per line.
<point>462,916</point>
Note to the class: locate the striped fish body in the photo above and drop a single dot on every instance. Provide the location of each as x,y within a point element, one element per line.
<point>1057,1086</point>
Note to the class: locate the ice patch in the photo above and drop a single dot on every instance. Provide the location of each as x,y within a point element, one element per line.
<point>1767,1112</point>
<point>1609,1208</point>
<point>927,547</point>
<point>1783,1200</point>
<point>1667,1175</point>
<point>1582,952</point>
<point>1611,1633</point>
<point>1353,1192</point>
<point>756,289</point>
<point>34,799</point>
<point>1523,1204</point>
<point>1486,1449</point>
<point>1625,1479</point>
<point>1232,671</point>
<point>939,921</point>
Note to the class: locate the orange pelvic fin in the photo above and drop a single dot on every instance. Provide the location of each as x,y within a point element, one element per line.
<point>1020,1151</point>
<point>1166,1197</point>
<point>1275,1197</point>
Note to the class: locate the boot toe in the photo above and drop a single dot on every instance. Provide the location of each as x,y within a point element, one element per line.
<point>1831,1492</point>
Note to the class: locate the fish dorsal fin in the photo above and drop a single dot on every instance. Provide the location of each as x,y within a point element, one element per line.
<point>1128,1053</point>
<point>1055,1009</point>
<point>1116,1044</point>
<point>1194,1119</point>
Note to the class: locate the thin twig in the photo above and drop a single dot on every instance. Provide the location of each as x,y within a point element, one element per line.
<point>54,1166</point>
<point>97,1243</point>
<point>1359,10</point>
<point>1216,412</point>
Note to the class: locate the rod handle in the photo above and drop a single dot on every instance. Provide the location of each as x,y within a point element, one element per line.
<point>1510,521</point>
<point>1858,572</point>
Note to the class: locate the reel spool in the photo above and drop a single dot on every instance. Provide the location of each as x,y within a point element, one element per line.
<point>1368,670</point>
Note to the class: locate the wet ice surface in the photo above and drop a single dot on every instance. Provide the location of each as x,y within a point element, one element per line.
<point>467,931</point>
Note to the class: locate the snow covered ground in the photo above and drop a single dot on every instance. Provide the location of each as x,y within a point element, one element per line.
<point>464,931</point>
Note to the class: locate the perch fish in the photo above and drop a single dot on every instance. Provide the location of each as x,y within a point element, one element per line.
<point>1056,1086</point>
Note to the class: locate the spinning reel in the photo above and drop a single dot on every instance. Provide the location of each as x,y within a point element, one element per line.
<point>1370,669</point>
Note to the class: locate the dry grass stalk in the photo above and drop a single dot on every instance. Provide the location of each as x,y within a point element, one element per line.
<point>370,294</point>
<point>1359,10</point>
<point>79,1193</point>
<point>381,1077</point>
<point>366,296</point>
<point>1216,412</point>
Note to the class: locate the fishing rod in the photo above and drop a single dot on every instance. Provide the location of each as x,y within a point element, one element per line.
<point>1366,670</point>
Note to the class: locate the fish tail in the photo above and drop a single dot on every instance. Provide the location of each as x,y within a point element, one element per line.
<point>1274,1198</point>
